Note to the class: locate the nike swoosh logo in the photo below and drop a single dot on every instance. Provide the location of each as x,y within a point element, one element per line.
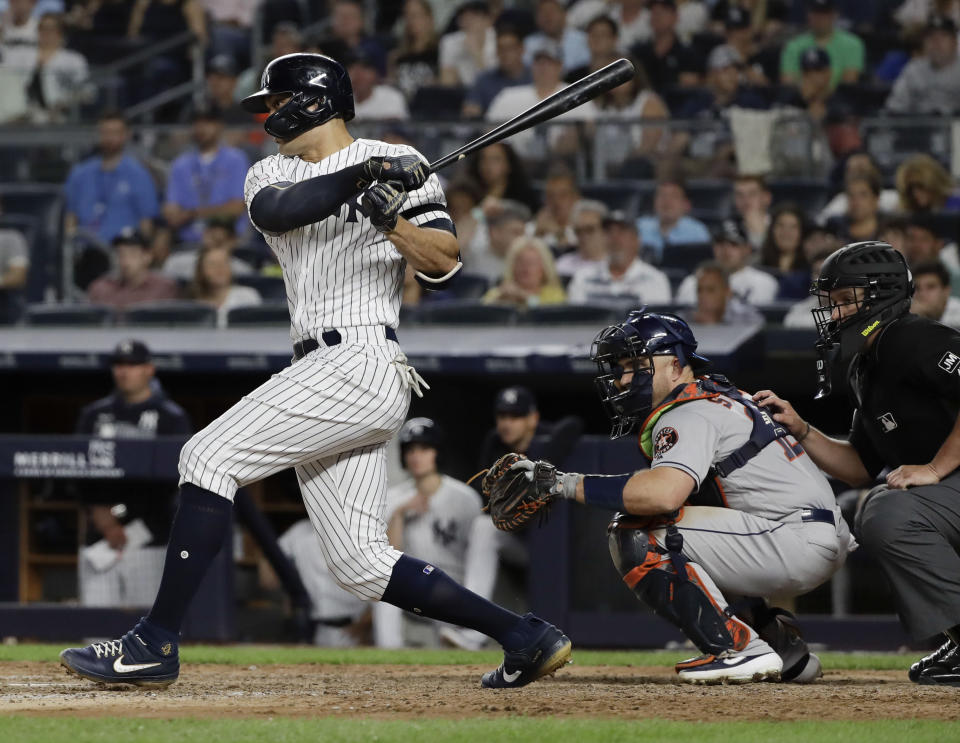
<point>511,677</point>
<point>120,667</point>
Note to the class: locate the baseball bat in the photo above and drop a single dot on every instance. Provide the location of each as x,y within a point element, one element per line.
<point>575,94</point>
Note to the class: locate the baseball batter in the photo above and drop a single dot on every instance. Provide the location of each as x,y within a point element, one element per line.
<point>344,217</point>
<point>730,511</point>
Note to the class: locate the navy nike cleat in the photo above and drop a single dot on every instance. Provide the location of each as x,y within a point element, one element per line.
<point>129,660</point>
<point>935,658</point>
<point>548,651</point>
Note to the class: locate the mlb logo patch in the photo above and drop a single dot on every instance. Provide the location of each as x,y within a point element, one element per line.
<point>887,422</point>
<point>949,362</point>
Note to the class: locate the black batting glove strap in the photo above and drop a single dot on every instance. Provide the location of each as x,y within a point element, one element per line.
<point>382,204</point>
<point>408,170</point>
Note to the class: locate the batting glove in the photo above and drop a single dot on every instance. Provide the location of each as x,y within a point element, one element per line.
<point>382,203</point>
<point>408,170</point>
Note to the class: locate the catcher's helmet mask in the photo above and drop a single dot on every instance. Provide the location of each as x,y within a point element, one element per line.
<point>642,336</point>
<point>319,89</point>
<point>883,287</point>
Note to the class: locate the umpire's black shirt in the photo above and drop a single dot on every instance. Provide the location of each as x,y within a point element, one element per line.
<point>906,388</point>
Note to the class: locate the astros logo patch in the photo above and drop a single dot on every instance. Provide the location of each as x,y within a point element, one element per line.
<point>666,438</point>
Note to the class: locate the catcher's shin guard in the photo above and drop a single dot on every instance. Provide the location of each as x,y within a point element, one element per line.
<point>680,599</point>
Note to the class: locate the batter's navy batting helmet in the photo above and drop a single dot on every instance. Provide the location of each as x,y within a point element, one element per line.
<point>419,431</point>
<point>886,285</point>
<point>310,80</point>
<point>643,335</point>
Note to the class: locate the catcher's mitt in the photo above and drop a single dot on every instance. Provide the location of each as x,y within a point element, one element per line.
<point>515,488</point>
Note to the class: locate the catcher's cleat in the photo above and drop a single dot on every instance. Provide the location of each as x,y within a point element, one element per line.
<point>730,667</point>
<point>935,658</point>
<point>548,651</point>
<point>129,660</point>
<point>944,672</point>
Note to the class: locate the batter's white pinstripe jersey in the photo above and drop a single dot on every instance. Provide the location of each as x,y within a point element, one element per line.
<point>341,272</point>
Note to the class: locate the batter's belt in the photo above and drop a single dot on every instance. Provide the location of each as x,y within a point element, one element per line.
<point>329,338</point>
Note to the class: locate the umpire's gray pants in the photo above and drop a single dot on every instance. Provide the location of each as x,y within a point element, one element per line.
<point>915,536</point>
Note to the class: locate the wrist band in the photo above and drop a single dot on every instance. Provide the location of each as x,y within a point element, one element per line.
<point>804,434</point>
<point>605,491</point>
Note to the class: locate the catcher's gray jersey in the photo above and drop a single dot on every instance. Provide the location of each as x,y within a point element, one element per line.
<point>438,536</point>
<point>766,542</point>
<point>778,481</point>
<point>341,271</point>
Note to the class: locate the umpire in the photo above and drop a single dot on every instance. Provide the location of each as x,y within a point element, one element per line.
<point>904,382</point>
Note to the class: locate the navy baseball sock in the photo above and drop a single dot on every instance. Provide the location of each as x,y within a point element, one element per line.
<point>197,533</point>
<point>424,589</point>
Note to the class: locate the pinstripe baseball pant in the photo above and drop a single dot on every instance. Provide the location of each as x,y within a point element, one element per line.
<point>328,415</point>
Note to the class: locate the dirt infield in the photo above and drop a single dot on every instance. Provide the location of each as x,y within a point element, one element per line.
<point>407,692</point>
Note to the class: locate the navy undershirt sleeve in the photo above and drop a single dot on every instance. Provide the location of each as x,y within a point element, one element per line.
<point>281,207</point>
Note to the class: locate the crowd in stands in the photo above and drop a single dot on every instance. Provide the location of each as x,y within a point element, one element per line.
<point>534,229</point>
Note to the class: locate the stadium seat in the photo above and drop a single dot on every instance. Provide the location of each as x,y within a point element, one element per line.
<point>273,313</point>
<point>618,194</point>
<point>774,312</point>
<point>171,314</point>
<point>709,194</point>
<point>468,286</point>
<point>89,315</point>
<point>43,202</point>
<point>270,288</point>
<point>564,314</point>
<point>467,313</point>
<point>437,102</point>
<point>687,257</point>
<point>811,194</point>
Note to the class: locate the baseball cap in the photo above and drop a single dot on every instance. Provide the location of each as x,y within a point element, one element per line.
<point>618,216</point>
<point>515,401</point>
<point>938,22</point>
<point>724,56</point>
<point>222,64</point>
<point>821,6</point>
<point>130,351</point>
<point>206,113</point>
<point>549,49</point>
<point>737,17</point>
<point>665,3</point>
<point>814,58</point>
<point>129,236</point>
<point>729,231</point>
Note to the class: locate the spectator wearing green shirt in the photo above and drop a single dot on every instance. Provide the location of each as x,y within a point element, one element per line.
<point>845,49</point>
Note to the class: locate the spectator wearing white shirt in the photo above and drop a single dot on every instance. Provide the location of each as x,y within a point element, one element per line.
<point>371,99</point>
<point>931,297</point>
<point>732,251</point>
<point>547,72</point>
<point>506,221</point>
<point>716,302</point>
<point>466,53</point>
<point>230,27</point>
<point>551,19</point>
<point>591,250</point>
<point>58,77</point>
<point>18,33</point>
<point>213,283</point>
<point>623,275</point>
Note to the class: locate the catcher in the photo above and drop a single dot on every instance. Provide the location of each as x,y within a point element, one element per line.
<point>731,510</point>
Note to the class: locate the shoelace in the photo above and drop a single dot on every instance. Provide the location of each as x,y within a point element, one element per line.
<point>410,375</point>
<point>108,648</point>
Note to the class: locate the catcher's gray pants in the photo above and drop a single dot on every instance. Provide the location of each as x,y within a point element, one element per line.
<point>915,536</point>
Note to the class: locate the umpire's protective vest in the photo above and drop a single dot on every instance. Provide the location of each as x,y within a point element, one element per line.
<point>765,431</point>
